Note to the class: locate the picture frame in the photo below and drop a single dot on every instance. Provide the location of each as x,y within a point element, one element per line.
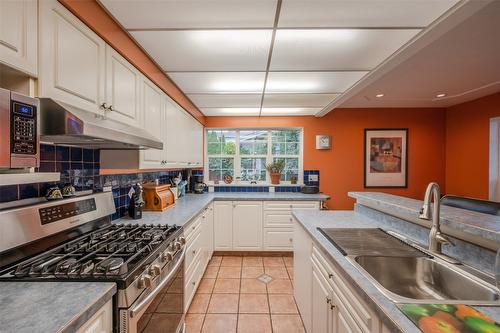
<point>386,158</point>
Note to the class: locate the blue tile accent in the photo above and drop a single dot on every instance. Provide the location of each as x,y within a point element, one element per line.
<point>27,191</point>
<point>47,153</point>
<point>62,153</point>
<point>47,167</point>
<point>8,193</point>
<point>88,155</point>
<point>76,154</point>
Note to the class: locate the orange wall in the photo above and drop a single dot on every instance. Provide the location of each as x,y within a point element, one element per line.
<point>467,146</point>
<point>93,15</point>
<point>341,168</point>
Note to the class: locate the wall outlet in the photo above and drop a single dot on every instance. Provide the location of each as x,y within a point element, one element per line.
<point>312,178</point>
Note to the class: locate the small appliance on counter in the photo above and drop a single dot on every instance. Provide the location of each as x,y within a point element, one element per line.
<point>136,202</point>
<point>158,197</point>
<point>198,184</point>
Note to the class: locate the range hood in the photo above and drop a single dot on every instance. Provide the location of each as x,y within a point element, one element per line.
<point>61,123</point>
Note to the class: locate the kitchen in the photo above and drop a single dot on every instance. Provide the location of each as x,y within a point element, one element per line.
<point>249,166</point>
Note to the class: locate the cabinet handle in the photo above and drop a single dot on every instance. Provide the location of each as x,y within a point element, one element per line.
<point>291,240</point>
<point>110,108</point>
<point>194,251</point>
<point>332,306</point>
<point>328,300</point>
<point>103,106</point>
<point>330,275</point>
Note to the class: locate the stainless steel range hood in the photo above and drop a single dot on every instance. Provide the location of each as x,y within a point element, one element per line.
<point>61,123</point>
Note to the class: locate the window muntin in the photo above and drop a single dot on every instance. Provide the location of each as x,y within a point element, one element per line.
<point>245,153</point>
<point>221,149</point>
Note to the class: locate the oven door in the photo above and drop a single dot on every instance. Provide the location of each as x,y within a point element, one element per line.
<point>162,309</point>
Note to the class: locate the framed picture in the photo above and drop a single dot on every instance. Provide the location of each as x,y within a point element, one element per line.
<point>386,157</point>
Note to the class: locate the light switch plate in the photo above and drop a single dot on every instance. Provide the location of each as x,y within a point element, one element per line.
<point>312,178</point>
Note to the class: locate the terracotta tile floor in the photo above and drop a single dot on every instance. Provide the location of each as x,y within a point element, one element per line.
<point>231,299</point>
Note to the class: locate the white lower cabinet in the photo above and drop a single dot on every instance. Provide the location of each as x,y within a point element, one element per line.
<point>327,303</point>
<point>247,225</point>
<point>223,225</point>
<point>100,322</point>
<point>199,249</point>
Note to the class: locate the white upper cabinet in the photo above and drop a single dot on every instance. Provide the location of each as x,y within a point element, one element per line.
<point>72,59</point>
<point>154,121</point>
<point>184,138</point>
<point>18,35</point>
<point>123,83</point>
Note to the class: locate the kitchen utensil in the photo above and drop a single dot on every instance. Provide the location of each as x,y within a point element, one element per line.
<point>54,193</point>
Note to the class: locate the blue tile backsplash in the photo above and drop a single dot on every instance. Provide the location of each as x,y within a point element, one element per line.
<point>80,167</point>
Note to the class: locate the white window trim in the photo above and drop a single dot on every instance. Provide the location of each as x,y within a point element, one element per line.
<point>269,156</point>
<point>494,163</point>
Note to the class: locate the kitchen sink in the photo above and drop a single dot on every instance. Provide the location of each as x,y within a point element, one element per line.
<point>425,280</point>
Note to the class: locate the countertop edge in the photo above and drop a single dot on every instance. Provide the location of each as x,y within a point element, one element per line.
<point>79,320</point>
<point>385,202</point>
<point>385,317</point>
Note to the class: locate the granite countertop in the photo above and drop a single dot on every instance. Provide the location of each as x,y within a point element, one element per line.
<point>483,225</point>
<point>189,206</point>
<point>50,306</point>
<point>385,308</point>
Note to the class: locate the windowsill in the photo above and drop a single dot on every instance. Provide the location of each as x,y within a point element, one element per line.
<point>254,185</point>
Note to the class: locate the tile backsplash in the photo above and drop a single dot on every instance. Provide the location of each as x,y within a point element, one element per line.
<point>80,167</point>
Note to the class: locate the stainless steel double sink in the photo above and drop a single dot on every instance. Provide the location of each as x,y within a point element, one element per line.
<point>413,276</point>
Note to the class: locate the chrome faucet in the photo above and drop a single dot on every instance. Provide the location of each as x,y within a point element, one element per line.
<point>436,237</point>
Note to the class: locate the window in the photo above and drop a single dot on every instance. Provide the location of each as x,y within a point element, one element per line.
<point>245,153</point>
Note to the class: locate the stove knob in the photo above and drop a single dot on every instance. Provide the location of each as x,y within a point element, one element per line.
<point>146,281</point>
<point>177,246</point>
<point>182,240</point>
<point>154,270</point>
<point>167,256</point>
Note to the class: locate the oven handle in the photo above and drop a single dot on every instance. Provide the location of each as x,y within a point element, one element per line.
<point>137,308</point>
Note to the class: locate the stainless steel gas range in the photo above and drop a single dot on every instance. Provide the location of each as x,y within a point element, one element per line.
<point>74,240</point>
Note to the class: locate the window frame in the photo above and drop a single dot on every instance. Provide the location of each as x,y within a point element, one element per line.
<point>269,156</point>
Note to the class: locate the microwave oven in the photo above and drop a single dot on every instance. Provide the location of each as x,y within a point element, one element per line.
<point>19,131</point>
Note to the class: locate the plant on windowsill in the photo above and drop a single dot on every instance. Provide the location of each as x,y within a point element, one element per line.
<point>275,169</point>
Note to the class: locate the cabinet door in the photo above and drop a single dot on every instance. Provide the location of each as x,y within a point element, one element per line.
<point>209,231</point>
<point>72,59</point>
<point>321,303</point>
<point>280,239</point>
<point>152,107</point>
<point>196,143</point>
<point>123,83</point>
<point>247,225</point>
<point>173,135</point>
<point>223,225</point>
<point>302,273</point>
<point>18,35</point>
<point>100,322</point>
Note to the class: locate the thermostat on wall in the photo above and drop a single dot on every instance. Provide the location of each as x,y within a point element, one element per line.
<point>323,142</point>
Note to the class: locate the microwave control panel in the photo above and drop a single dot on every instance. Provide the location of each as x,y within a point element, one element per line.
<point>23,129</point>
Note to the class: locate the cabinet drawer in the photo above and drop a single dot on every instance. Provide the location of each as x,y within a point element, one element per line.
<point>289,205</point>
<point>362,314</point>
<point>278,239</point>
<point>193,247</point>
<point>193,278</point>
<point>191,227</point>
<point>278,218</point>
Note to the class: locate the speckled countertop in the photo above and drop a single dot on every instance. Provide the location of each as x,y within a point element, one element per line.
<point>483,225</point>
<point>49,307</point>
<point>189,206</point>
<point>385,308</point>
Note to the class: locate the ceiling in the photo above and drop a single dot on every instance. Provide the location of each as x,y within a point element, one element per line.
<point>272,57</point>
<point>463,64</point>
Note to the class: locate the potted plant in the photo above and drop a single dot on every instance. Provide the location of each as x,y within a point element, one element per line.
<point>275,170</point>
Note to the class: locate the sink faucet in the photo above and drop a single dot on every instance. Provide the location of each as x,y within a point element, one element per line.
<point>436,237</point>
